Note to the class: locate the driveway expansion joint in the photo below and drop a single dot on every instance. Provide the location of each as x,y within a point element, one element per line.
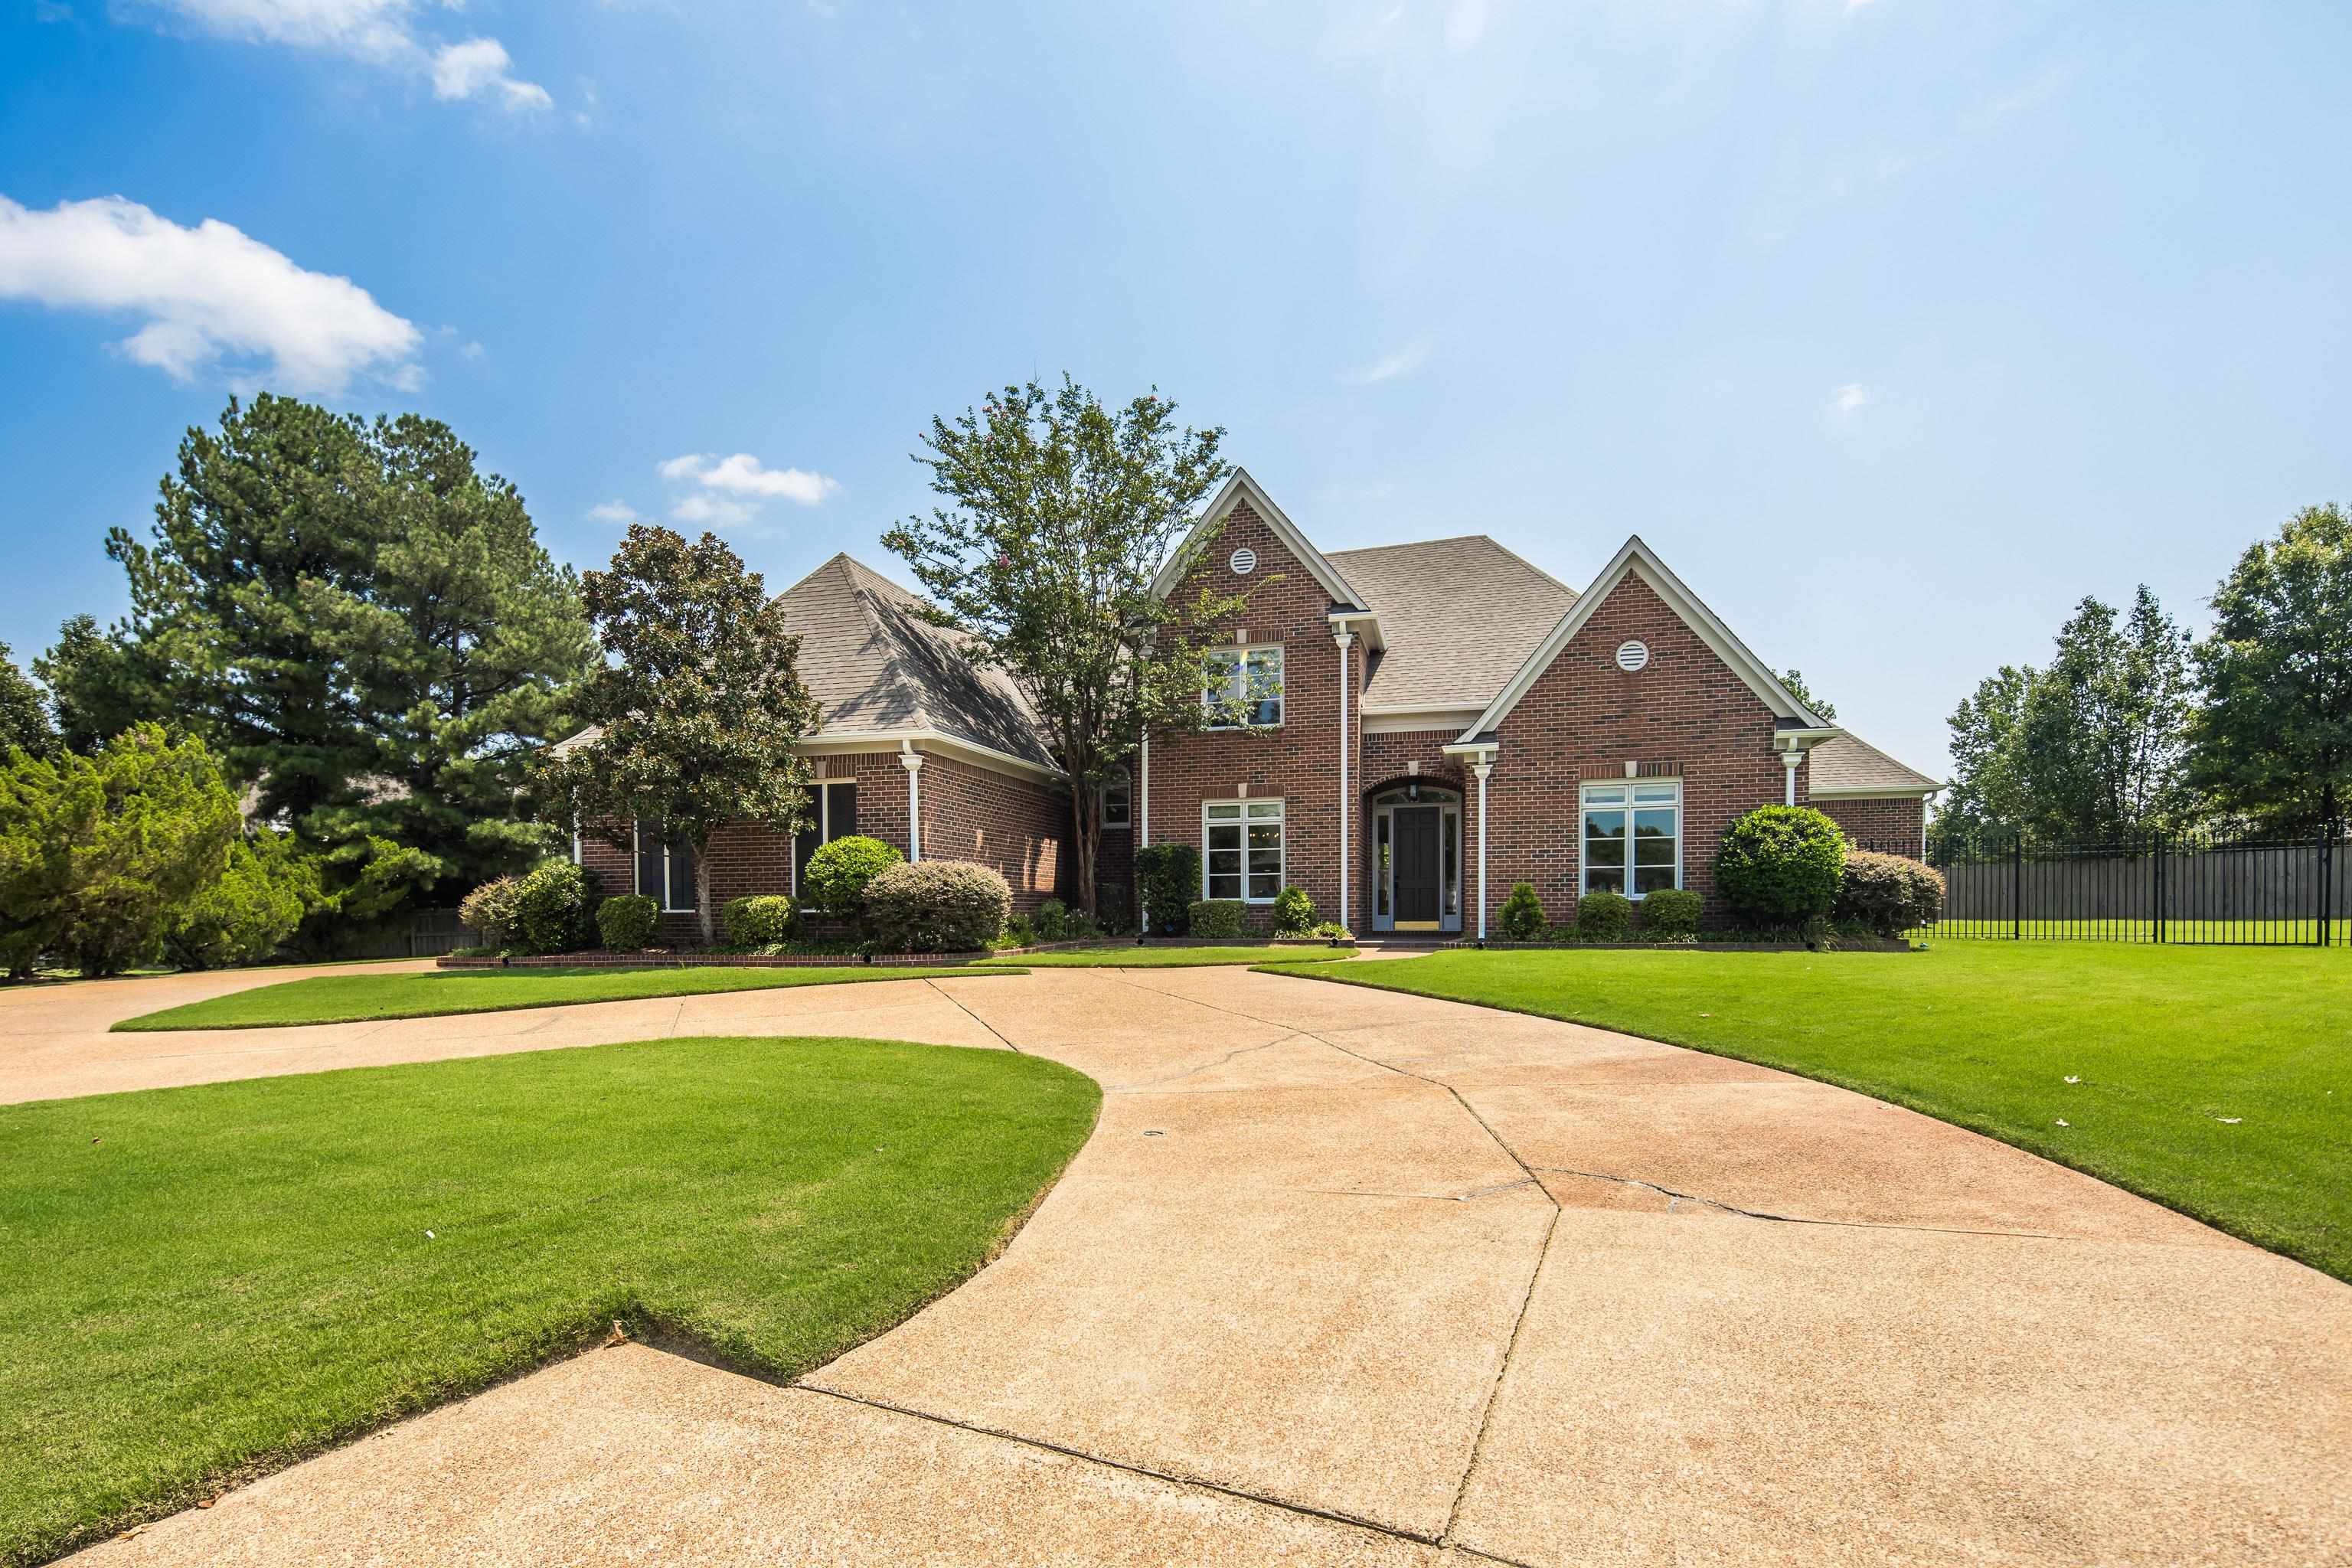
<point>976,1017</point>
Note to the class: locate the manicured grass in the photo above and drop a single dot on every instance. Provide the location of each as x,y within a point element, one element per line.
<point>2216,1080</point>
<point>358,998</point>
<point>1129,955</point>
<point>203,1283</point>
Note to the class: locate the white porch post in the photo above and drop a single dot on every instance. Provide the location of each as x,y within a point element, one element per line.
<point>912,761</point>
<point>1789,760</point>
<point>1347,802</point>
<point>1143,799</point>
<point>1483,767</point>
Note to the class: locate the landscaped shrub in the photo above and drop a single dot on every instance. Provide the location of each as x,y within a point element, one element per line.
<point>1669,914</point>
<point>262,894</point>
<point>1169,876</point>
<point>837,874</point>
<point>1522,914</point>
<point>628,923</point>
<point>1781,865</point>
<point>1052,921</point>
<point>1888,893</point>
<point>1112,910</point>
<point>1604,916</point>
<point>1215,916</point>
<point>761,920</point>
<point>1293,912</point>
<point>551,909</point>
<point>491,909</point>
<point>1333,930</point>
<point>936,906</point>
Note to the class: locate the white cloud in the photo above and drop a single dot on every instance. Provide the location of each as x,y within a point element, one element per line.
<point>1849,399</point>
<point>380,32</point>
<point>1404,361</point>
<point>1465,24</point>
<point>616,510</point>
<point>479,66</point>
<point>716,510</point>
<point>206,294</point>
<point>745,475</point>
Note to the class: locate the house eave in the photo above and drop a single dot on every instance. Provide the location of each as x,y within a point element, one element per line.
<point>835,742</point>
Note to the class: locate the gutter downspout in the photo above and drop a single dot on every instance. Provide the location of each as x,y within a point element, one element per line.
<point>1347,802</point>
<point>1482,768</point>
<point>912,761</point>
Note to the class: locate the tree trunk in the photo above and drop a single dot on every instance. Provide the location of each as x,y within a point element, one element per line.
<point>702,891</point>
<point>1087,820</point>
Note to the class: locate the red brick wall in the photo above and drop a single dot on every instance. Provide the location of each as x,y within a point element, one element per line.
<point>1018,826</point>
<point>1300,760</point>
<point>1584,718</point>
<point>1897,827</point>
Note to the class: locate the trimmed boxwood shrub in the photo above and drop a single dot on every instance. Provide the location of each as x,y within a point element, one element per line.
<point>936,906</point>
<point>628,923</point>
<point>1781,865</point>
<point>491,909</point>
<point>758,920</point>
<point>1522,915</point>
<point>1168,876</point>
<point>1293,912</point>
<point>1671,912</point>
<point>1889,893</point>
<point>838,873</point>
<point>1604,916</point>
<point>1216,917</point>
<point>551,909</point>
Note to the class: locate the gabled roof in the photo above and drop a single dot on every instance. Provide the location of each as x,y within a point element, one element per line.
<point>1239,489</point>
<point>1458,617</point>
<point>877,667</point>
<point>879,671</point>
<point>1846,765</point>
<point>1637,557</point>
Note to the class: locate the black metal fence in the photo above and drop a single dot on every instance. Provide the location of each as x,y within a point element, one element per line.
<point>2286,891</point>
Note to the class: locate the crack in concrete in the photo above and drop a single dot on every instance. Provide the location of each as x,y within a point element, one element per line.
<point>1719,1205</point>
<point>1307,1511</point>
<point>976,1019</point>
<point>1147,1086</point>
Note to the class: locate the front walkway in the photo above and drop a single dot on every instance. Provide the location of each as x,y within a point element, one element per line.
<point>1344,1274</point>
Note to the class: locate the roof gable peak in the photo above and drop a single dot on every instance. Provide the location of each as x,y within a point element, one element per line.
<point>1238,489</point>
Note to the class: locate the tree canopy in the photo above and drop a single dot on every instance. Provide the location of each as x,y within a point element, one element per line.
<point>2274,736</point>
<point>1059,512</point>
<point>362,625</point>
<point>24,712</point>
<point>1794,680</point>
<point>699,711</point>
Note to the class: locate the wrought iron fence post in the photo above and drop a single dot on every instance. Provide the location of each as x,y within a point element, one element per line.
<point>2327,880</point>
<point>2159,887</point>
<point>2016,887</point>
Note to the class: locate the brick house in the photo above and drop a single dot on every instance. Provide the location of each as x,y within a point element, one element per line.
<point>1430,723</point>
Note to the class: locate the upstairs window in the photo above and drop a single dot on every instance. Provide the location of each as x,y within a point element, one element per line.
<point>1632,838</point>
<point>1245,688</point>
<point>665,872</point>
<point>1240,842</point>
<point>1118,801</point>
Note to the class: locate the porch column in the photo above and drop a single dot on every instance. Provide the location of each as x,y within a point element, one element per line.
<point>912,761</point>
<point>1788,760</point>
<point>1483,767</point>
<point>1347,801</point>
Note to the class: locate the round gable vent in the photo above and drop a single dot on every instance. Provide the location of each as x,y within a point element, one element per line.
<point>1632,655</point>
<point>1245,562</point>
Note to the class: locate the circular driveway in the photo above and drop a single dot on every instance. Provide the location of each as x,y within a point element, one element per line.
<point>1346,1276</point>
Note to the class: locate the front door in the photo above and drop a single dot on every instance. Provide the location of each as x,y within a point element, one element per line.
<point>1415,831</point>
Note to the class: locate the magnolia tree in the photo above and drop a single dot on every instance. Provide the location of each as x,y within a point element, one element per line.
<point>1059,512</point>
<point>699,708</point>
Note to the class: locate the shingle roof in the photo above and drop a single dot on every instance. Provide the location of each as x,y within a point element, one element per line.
<point>1458,617</point>
<point>874,664</point>
<point>1846,763</point>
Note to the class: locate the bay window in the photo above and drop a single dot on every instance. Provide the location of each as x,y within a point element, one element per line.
<point>1632,837</point>
<point>1244,687</point>
<point>1241,844</point>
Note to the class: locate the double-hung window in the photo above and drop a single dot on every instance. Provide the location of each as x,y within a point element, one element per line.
<point>832,813</point>
<point>1632,837</point>
<point>665,872</point>
<point>1244,687</point>
<point>1240,842</point>
<point>1118,801</point>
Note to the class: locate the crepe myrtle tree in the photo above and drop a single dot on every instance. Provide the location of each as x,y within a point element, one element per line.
<point>1059,512</point>
<point>698,707</point>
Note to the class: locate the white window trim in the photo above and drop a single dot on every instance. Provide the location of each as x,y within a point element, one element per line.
<point>637,871</point>
<point>1584,803</point>
<point>1281,689</point>
<point>1102,803</point>
<point>1282,879</point>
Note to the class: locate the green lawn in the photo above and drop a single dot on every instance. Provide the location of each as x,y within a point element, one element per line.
<point>1129,955</point>
<point>204,1283</point>
<point>358,998</point>
<point>2216,1080</point>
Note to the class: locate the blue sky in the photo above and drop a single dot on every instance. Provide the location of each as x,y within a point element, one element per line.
<point>1895,326</point>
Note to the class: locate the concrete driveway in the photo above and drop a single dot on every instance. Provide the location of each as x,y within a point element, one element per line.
<point>1352,1277</point>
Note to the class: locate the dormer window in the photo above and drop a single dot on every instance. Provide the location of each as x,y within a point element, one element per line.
<point>1244,687</point>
